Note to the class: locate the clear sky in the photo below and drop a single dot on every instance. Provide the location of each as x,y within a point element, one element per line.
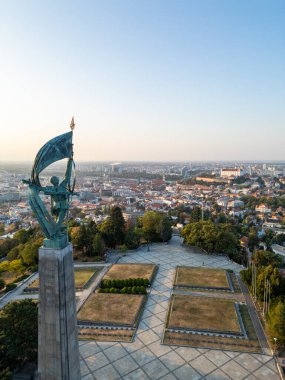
<point>144,79</point>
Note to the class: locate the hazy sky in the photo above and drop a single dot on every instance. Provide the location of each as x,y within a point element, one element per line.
<point>144,79</point>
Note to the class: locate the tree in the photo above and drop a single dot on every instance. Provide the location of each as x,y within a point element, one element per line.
<point>196,214</point>
<point>279,239</point>
<point>107,233</point>
<point>77,236</point>
<point>18,334</point>
<point>268,237</point>
<point>2,228</point>
<point>82,237</point>
<point>274,277</point>
<point>5,373</point>
<point>6,245</point>
<point>2,283</point>
<point>150,226</point>
<point>165,228</point>
<point>113,228</point>
<point>98,246</point>
<point>118,224</point>
<point>30,252</point>
<point>276,322</point>
<point>252,238</point>
<point>14,253</point>
<point>212,237</point>
<point>91,231</point>
<point>132,238</point>
<point>264,258</point>
<point>15,266</point>
<point>22,235</point>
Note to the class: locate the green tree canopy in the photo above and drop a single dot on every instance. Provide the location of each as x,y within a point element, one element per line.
<point>155,226</point>
<point>98,245</point>
<point>218,238</point>
<point>18,334</point>
<point>82,237</point>
<point>165,230</point>
<point>113,229</point>
<point>264,258</point>
<point>23,235</point>
<point>29,253</point>
<point>276,322</point>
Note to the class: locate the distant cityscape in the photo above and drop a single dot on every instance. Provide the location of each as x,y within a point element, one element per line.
<point>140,187</point>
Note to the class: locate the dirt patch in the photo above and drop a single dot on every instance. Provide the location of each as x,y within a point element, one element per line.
<point>111,308</point>
<point>124,271</point>
<point>201,277</point>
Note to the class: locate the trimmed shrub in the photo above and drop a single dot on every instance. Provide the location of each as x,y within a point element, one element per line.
<point>21,278</point>
<point>2,283</point>
<point>10,286</point>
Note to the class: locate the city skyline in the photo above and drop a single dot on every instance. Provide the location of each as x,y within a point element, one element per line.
<point>145,81</point>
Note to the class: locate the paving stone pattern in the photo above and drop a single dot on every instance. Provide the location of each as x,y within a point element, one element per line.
<point>146,357</point>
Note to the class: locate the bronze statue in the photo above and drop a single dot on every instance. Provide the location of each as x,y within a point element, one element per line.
<point>51,223</point>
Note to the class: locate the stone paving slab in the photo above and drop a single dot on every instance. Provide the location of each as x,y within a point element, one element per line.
<point>155,369</point>
<point>217,375</point>
<point>187,372</point>
<point>146,358</point>
<point>125,365</point>
<point>172,360</point>
<point>217,357</point>
<point>107,373</point>
<point>234,370</point>
<point>265,373</point>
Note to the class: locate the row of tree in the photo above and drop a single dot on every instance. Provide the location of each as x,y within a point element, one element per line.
<point>24,245</point>
<point>93,239</point>
<point>264,277</point>
<point>214,238</point>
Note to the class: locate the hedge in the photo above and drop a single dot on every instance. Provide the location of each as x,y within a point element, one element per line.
<point>129,282</point>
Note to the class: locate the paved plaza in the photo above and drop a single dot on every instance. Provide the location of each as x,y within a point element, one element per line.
<point>146,357</point>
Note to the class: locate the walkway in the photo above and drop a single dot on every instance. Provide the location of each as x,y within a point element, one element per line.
<point>146,358</point>
<point>255,320</point>
<point>18,293</point>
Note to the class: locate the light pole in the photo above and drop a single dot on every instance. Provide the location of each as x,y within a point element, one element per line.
<point>275,343</point>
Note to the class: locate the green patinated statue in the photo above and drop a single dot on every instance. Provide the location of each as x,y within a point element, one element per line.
<point>51,223</point>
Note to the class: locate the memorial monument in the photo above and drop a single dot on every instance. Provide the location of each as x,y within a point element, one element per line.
<point>58,353</point>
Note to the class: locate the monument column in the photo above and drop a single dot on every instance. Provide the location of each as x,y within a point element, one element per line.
<point>58,353</point>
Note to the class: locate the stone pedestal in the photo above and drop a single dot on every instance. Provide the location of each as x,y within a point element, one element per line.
<point>58,357</point>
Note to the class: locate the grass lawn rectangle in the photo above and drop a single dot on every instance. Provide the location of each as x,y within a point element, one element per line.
<point>125,271</point>
<point>201,277</point>
<point>203,313</point>
<point>116,309</point>
<point>81,277</point>
<point>251,344</point>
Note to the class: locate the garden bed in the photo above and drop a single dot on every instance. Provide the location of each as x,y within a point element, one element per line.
<point>82,276</point>
<point>106,316</point>
<point>203,314</point>
<point>202,278</point>
<point>210,323</point>
<point>125,271</point>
